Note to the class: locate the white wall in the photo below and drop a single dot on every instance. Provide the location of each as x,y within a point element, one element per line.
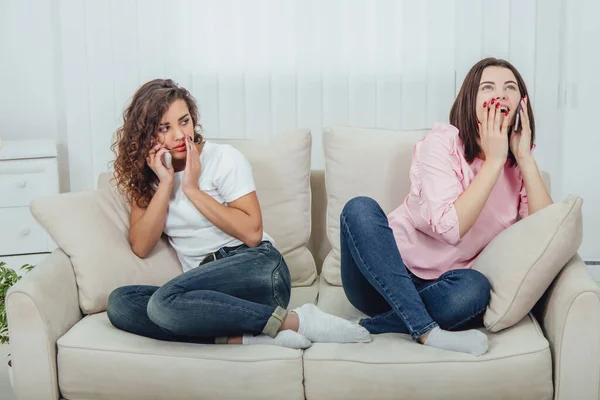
<point>31,101</point>
<point>580,91</point>
<point>28,70</point>
<point>261,67</point>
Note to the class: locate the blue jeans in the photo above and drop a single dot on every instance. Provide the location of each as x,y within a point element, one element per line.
<point>377,282</point>
<point>245,291</point>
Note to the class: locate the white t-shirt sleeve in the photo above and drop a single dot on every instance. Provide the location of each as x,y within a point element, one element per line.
<point>235,175</point>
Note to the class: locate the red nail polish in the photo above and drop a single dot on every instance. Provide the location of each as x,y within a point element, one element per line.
<point>484,104</point>
<point>506,114</point>
<point>493,100</point>
<point>497,105</point>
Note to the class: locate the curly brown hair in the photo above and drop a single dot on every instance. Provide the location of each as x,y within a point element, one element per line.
<point>139,133</point>
<point>463,115</point>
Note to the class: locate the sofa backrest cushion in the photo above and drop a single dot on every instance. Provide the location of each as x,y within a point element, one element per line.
<point>363,162</point>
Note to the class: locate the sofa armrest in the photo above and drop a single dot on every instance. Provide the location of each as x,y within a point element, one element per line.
<point>570,316</point>
<point>41,308</point>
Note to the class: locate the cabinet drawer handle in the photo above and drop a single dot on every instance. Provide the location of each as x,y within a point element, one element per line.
<point>25,231</point>
<point>22,184</point>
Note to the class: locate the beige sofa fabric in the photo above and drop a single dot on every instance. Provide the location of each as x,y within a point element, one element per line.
<point>281,169</point>
<point>92,229</point>
<point>319,244</point>
<point>41,308</point>
<point>517,366</point>
<point>363,162</point>
<point>570,315</point>
<point>522,261</point>
<point>304,294</point>
<point>96,361</point>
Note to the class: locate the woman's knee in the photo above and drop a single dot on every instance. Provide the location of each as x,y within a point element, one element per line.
<point>360,206</point>
<point>158,308</point>
<point>475,289</point>
<point>118,308</point>
<point>361,212</point>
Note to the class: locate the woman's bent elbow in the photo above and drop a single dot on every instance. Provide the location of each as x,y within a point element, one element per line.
<point>254,239</point>
<point>138,250</point>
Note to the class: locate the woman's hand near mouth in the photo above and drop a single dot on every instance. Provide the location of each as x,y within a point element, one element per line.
<point>193,167</point>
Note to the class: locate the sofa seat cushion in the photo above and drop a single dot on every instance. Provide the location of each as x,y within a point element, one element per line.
<point>304,294</point>
<point>517,366</point>
<point>98,361</point>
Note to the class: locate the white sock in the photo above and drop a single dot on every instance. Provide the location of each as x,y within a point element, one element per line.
<point>287,338</point>
<point>318,326</point>
<point>471,341</point>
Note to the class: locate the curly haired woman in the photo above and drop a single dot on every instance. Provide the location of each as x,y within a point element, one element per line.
<point>236,285</point>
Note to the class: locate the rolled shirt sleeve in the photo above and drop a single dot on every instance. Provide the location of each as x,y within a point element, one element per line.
<point>441,178</point>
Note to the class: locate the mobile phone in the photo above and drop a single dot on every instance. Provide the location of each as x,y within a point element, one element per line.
<point>167,160</point>
<point>518,118</point>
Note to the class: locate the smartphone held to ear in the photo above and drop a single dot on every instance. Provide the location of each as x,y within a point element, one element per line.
<point>167,160</point>
<point>518,118</point>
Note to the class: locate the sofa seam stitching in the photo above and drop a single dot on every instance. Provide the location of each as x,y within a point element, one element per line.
<point>70,347</point>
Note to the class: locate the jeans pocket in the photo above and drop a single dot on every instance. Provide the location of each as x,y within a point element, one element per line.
<point>282,284</point>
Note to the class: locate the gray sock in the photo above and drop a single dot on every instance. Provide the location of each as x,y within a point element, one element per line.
<point>471,341</point>
<point>287,338</point>
<point>318,326</point>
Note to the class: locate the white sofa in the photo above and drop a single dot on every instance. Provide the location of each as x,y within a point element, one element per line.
<point>63,345</point>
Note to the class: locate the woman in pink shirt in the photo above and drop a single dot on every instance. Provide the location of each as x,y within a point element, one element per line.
<point>410,271</point>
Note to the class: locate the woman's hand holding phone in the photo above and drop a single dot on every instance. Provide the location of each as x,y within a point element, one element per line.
<point>156,161</point>
<point>520,140</point>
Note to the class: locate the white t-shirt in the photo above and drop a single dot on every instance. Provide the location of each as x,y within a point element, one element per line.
<point>226,176</point>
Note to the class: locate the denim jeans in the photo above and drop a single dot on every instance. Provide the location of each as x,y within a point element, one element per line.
<point>377,282</point>
<point>246,291</point>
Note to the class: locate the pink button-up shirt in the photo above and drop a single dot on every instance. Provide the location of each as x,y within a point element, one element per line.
<point>426,224</point>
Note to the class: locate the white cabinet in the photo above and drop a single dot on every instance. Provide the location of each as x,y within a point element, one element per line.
<point>28,170</point>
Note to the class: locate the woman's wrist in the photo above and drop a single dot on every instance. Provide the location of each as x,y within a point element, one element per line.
<point>526,162</point>
<point>494,164</point>
<point>190,190</point>
<point>166,183</point>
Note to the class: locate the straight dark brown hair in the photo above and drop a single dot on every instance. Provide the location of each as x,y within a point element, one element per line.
<point>463,115</point>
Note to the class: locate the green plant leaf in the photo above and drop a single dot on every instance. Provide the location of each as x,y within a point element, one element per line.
<point>8,277</point>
